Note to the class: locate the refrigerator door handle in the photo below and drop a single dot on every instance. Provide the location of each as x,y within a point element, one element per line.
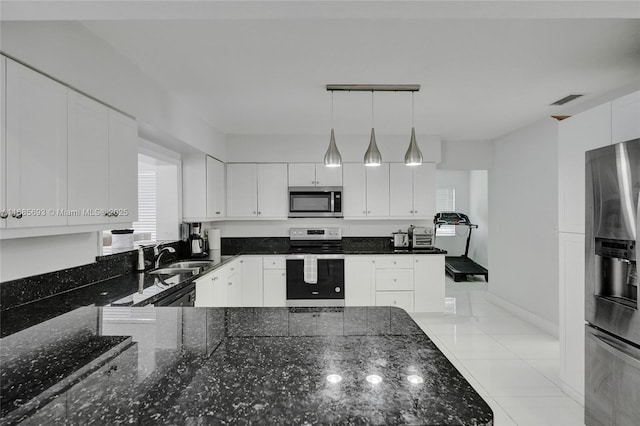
<point>616,350</point>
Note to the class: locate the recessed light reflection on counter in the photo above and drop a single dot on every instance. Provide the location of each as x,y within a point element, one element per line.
<point>334,378</point>
<point>415,379</point>
<point>374,379</point>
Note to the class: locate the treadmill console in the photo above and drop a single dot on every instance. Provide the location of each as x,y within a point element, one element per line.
<point>451,218</point>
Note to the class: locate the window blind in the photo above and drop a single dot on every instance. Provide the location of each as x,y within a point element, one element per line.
<point>446,202</point>
<point>146,203</point>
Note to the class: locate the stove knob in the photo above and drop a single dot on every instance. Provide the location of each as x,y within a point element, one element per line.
<point>337,289</point>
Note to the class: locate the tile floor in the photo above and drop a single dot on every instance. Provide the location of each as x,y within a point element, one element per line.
<point>511,363</point>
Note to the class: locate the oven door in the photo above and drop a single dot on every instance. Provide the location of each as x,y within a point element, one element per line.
<point>328,291</point>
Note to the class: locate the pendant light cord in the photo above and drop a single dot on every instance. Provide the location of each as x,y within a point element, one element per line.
<point>332,109</point>
<point>372,109</point>
<point>413,110</point>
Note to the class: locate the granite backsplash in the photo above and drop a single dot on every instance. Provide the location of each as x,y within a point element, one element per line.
<point>25,290</point>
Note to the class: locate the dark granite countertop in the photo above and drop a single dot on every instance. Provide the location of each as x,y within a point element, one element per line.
<point>232,366</point>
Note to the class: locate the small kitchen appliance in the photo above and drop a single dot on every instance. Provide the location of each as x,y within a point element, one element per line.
<point>197,245</point>
<point>421,237</point>
<point>315,201</point>
<point>400,240</point>
<point>315,267</point>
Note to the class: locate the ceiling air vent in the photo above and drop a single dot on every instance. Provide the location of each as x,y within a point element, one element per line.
<point>566,99</point>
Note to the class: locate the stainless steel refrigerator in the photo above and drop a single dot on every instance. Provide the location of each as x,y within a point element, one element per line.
<point>612,332</point>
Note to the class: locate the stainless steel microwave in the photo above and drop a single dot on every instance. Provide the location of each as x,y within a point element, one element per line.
<point>315,201</point>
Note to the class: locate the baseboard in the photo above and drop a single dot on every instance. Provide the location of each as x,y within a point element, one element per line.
<point>534,319</point>
<point>572,393</point>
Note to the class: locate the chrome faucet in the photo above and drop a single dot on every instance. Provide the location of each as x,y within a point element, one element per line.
<point>159,252</point>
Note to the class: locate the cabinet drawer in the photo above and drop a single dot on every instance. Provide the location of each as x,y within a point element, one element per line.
<point>395,261</point>
<point>274,262</point>
<point>394,279</point>
<point>400,299</point>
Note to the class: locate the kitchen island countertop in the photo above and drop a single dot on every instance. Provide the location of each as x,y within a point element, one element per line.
<point>352,365</point>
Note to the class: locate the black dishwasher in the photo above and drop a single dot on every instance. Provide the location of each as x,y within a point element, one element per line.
<point>185,297</point>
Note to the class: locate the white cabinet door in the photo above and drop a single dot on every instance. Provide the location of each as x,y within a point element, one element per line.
<point>429,283</point>
<point>204,291</point>
<point>216,188</point>
<point>399,299</point>
<point>424,191</point>
<point>625,118</point>
<point>123,167</point>
<point>36,148</point>
<point>3,144</point>
<point>378,191</point>
<point>394,279</point>
<point>272,191</point>
<point>585,131</point>
<point>242,190</point>
<point>302,174</point>
<point>328,176</point>
<point>88,148</point>
<point>358,281</point>
<point>401,190</point>
<point>354,190</point>
<point>571,328</point>
<point>220,287</point>
<point>275,287</point>
<point>234,289</point>
<point>252,287</point>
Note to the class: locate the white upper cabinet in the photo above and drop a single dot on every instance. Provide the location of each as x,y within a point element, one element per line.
<point>401,194</point>
<point>424,190</point>
<point>272,191</point>
<point>257,191</point>
<point>216,188</point>
<point>412,190</point>
<point>365,191</point>
<point>203,188</point>
<point>625,118</point>
<point>242,190</point>
<point>354,190</point>
<point>123,168</point>
<point>36,149</point>
<point>314,174</point>
<point>585,131</point>
<point>88,159</point>
<point>378,191</point>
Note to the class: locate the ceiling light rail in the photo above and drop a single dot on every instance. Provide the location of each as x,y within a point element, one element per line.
<point>373,87</point>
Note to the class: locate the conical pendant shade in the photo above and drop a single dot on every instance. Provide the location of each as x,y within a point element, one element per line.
<point>372,157</point>
<point>413,157</point>
<point>332,158</point>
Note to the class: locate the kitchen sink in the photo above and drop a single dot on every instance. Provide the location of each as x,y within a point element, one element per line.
<point>191,264</point>
<point>175,271</point>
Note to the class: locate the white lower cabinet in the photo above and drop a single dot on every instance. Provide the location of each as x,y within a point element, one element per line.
<point>211,289</point>
<point>252,284</point>
<point>428,283</point>
<point>400,299</point>
<point>234,285</point>
<point>359,272</point>
<point>414,283</point>
<point>275,280</point>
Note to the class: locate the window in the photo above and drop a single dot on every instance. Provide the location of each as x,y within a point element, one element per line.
<point>446,202</point>
<point>147,203</point>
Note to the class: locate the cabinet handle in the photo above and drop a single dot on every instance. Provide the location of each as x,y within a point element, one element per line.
<point>214,278</point>
<point>411,211</point>
<point>364,212</point>
<point>232,269</point>
<point>283,274</point>
<point>254,212</point>
<point>416,212</point>
<point>259,212</point>
<point>217,212</point>
<point>395,280</point>
<point>394,262</point>
<point>368,212</point>
<point>230,283</point>
<point>4,214</point>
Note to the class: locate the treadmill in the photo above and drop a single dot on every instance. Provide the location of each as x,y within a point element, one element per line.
<point>459,267</point>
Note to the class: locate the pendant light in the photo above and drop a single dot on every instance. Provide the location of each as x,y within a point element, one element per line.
<point>372,157</point>
<point>413,157</point>
<point>332,158</point>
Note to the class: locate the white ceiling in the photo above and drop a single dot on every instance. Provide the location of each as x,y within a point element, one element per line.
<point>480,77</point>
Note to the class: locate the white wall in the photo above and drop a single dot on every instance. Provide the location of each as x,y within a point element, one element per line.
<point>311,148</point>
<point>23,257</point>
<point>479,214</point>
<point>466,155</point>
<point>71,53</point>
<point>523,237</point>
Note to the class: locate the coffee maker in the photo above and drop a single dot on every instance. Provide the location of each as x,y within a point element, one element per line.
<point>197,244</point>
